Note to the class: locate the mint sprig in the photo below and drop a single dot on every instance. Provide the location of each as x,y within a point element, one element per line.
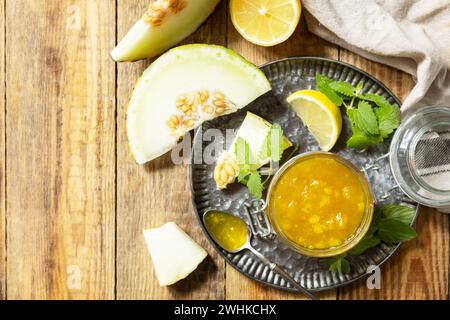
<point>400,213</point>
<point>255,185</point>
<point>324,85</point>
<point>391,224</point>
<point>388,117</point>
<point>373,118</point>
<point>272,149</point>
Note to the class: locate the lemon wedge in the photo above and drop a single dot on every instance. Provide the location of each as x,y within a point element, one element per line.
<point>322,117</point>
<point>265,23</point>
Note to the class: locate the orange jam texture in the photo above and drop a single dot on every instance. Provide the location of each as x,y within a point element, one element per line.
<point>318,203</point>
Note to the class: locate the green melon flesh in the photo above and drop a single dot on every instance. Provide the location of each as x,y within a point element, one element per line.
<point>254,131</point>
<point>181,71</point>
<point>145,40</point>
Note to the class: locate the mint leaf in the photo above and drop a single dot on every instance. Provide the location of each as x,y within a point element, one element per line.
<point>362,142</point>
<point>254,184</point>
<point>242,176</point>
<point>344,88</point>
<point>352,114</point>
<point>390,224</point>
<point>321,79</point>
<point>359,88</point>
<point>244,157</point>
<point>388,118</point>
<point>400,213</point>
<point>340,265</point>
<point>380,101</point>
<point>364,245</point>
<point>393,231</point>
<point>331,94</point>
<point>365,119</point>
<point>272,147</point>
<point>323,84</point>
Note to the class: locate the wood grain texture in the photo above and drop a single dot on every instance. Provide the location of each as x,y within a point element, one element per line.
<point>2,156</point>
<point>302,43</point>
<point>74,203</point>
<point>420,269</point>
<point>60,149</point>
<point>159,192</point>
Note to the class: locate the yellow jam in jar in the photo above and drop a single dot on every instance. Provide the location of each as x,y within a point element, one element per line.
<point>319,202</point>
<point>228,231</point>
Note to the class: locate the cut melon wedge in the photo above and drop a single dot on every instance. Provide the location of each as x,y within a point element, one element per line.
<point>183,88</point>
<point>166,23</point>
<point>254,131</point>
<point>174,254</point>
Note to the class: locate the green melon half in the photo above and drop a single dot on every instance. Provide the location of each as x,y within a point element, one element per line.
<point>186,72</point>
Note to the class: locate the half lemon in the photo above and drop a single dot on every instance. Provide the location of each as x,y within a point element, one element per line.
<point>265,23</point>
<point>322,117</point>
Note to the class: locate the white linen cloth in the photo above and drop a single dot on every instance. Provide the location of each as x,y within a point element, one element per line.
<point>411,35</point>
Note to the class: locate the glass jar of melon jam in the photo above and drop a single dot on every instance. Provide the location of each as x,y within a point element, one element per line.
<point>320,204</point>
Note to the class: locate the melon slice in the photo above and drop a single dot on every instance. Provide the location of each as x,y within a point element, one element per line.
<point>174,254</point>
<point>183,88</point>
<point>166,23</point>
<point>254,131</point>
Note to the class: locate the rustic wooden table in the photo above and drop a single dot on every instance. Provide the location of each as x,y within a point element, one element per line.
<point>73,203</point>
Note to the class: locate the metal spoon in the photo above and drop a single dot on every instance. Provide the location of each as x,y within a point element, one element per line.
<point>247,246</point>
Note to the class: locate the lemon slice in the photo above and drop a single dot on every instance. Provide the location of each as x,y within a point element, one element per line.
<point>265,23</point>
<point>321,116</point>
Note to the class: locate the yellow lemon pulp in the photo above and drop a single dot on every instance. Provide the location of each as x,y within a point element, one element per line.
<point>322,117</point>
<point>265,22</point>
<point>319,203</point>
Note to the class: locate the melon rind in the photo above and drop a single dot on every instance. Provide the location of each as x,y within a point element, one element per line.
<point>145,40</point>
<point>174,254</point>
<point>182,70</point>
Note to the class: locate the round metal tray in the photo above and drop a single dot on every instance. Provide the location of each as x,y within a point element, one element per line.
<point>288,76</point>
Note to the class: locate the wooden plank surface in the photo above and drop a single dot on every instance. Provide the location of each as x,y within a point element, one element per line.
<point>420,269</point>
<point>303,43</point>
<point>151,195</point>
<point>2,156</point>
<point>73,204</point>
<point>60,149</point>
